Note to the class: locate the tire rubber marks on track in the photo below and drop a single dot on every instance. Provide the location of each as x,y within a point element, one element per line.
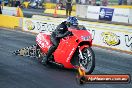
<point>28,51</point>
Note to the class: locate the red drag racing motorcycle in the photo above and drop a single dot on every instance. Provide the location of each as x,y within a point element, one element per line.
<point>72,52</point>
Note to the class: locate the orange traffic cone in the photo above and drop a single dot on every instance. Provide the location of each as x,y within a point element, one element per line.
<point>18,12</point>
<point>55,11</point>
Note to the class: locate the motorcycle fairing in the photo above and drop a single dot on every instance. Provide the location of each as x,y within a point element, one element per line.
<point>65,50</point>
<point>82,36</point>
<point>45,45</point>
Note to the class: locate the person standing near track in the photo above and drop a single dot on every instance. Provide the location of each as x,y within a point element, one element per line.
<point>18,3</point>
<point>68,7</point>
<point>1,6</point>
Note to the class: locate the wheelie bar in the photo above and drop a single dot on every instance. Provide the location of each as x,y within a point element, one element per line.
<point>28,51</point>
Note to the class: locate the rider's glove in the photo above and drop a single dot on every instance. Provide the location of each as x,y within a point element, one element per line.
<point>70,33</point>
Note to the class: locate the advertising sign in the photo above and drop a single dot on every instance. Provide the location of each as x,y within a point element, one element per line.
<point>37,26</point>
<point>93,12</point>
<point>112,39</point>
<point>121,15</point>
<point>106,14</point>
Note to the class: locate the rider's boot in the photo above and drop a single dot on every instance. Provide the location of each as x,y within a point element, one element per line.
<point>50,51</point>
<point>45,60</point>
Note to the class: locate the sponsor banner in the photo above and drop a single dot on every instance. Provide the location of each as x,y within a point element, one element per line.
<point>106,14</point>
<point>93,12</point>
<point>121,15</point>
<point>81,11</point>
<point>112,39</point>
<point>37,26</point>
<point>109,14</point>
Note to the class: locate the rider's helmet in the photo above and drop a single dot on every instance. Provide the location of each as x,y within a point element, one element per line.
<point>72,21</point>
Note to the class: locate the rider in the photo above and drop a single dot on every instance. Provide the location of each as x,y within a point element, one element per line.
<point>60,32</point>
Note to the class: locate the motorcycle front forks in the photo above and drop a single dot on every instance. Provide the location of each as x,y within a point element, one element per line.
<point>80,58</point>
<point>80,53</point>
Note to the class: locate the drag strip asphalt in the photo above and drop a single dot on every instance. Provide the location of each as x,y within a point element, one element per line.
<point>27,72</point>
